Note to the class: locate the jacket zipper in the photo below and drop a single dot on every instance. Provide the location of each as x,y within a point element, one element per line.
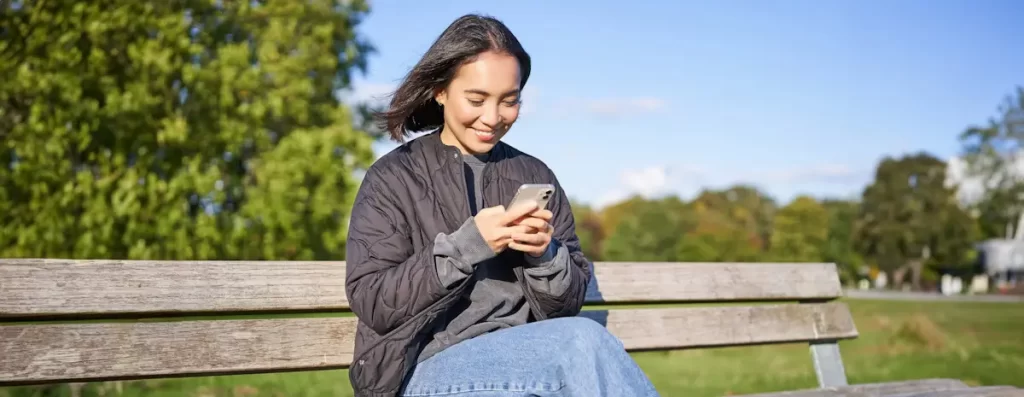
<point>531,299</point>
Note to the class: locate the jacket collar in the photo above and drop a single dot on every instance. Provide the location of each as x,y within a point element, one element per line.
<point>444,153</point>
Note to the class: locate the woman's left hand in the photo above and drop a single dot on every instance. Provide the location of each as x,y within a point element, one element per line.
<point>536,241</point>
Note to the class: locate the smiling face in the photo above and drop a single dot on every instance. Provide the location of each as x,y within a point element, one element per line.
<point>481,102</point>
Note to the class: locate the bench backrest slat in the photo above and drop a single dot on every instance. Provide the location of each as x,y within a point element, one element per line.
<point>106,288</point>
<point>42,353</point>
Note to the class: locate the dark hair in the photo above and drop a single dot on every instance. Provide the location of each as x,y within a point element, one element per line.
<point>412,106</point>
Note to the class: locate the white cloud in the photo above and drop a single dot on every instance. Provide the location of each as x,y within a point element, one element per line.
<point>366,91</point>
<point>822,173</point>
<point>687,181</point>
<point>530,98</point>
<point>648,182</point>
<point>971,188</point>
<point>623,106</point>
<point>609,107</point>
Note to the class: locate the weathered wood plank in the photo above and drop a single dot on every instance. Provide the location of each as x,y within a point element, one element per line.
<point>77,352</point>
<point>704,282</point>
<point>983,391</point>
<point>53,287</point>
<point>657,329</point>
<point>899,388</point>
<point>83,352</point>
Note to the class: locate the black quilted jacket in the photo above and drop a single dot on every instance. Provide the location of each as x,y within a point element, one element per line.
<point>406,198</point>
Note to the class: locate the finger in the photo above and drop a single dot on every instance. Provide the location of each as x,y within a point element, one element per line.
<point>536,223</point>
<point>542,214</point>
<point>529,249</point>
<point>526,229</point>
<point>509,231</point>
<point>531,239</point>
<point>518,211</point>
<point>495,209</point>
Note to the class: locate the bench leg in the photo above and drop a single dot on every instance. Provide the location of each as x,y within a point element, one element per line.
<point>828,364</point>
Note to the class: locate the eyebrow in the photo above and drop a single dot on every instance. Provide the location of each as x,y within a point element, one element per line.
<point>485,93</point>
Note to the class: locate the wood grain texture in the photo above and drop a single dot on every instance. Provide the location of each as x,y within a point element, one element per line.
<point>83,352</point>
<point>981,391</point>
<point>78,352</point>
<point>52,287</point>
<point>704,282</point>
<point>898,388</point>
<point>658,329</point>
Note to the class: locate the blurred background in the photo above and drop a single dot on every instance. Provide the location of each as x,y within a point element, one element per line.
<point>881,136</point>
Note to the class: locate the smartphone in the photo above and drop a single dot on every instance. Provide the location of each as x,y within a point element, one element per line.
<point>541,193</point>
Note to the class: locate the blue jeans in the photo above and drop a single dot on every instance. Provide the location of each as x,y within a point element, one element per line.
<point>563,357</point>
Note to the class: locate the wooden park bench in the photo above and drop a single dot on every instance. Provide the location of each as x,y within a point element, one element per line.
<point>42,340</point>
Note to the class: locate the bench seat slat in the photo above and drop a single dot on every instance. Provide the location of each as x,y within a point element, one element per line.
<point>41,288</point>
<point>623,282</point>
<point>659,329</point>
<point>41,353</point>
<point>892,389</point>
<point>54,287</point>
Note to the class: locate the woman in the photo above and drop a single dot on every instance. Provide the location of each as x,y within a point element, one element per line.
<point>454,292</point>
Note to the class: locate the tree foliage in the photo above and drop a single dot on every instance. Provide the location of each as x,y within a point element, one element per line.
<point>588,229</point>
<point>909,213</point>
<point>840,244</point>
<point>201,129</point>
<point>748,210</point>
<point>650,231</point>
<point>178,130</point>
<point>994,153</point>
<point>800,231</point>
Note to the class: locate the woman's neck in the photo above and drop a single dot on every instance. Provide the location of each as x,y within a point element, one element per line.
<point>448,138</point>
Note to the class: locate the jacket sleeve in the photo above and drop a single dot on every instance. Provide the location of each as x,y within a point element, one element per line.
<point>387,281</point>
<point>559,281</point>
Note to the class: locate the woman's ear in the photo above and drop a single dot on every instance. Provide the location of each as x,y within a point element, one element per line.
<point>441,96</point>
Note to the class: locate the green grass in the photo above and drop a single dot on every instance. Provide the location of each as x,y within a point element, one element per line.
<point>980,343</point>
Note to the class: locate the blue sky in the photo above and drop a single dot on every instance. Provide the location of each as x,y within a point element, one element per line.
<point>796,97</point>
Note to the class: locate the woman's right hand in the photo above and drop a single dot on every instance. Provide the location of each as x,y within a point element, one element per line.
<point>497,225</point>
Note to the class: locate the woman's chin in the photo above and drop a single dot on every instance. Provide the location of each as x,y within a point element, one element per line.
<point>479,148</point>
<point>480,142</point>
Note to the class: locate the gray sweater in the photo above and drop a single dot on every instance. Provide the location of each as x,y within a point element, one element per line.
<point>494,300</point>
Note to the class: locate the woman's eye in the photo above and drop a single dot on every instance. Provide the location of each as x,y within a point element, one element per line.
<point>476,102</point>
<point>512,103</point>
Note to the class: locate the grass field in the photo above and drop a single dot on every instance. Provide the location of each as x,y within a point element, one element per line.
<point>980,343</point>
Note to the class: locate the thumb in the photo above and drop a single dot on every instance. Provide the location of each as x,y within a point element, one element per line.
<point>519,211</point>
<point>498,209</point>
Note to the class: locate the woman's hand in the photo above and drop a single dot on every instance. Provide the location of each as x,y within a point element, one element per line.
<point>497,225</point>
<point>534,241</point>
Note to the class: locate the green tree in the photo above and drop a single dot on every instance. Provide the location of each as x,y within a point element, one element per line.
<point>613,214</point>
<point>652,231</point>
<point>746,207</point>
<point>909,217</point>
<point>588,229</point>
<point>993,154</point>
<point>178,130</point>
<point>718,236</point>
<point>800,231</point>
<point>839,247</point>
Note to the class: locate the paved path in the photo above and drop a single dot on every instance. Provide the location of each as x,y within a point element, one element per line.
<point>929,296</point>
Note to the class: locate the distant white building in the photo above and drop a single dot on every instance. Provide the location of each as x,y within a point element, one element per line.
<point>1002,260</point>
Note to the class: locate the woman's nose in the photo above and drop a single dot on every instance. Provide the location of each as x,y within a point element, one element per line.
<point>490,117</point>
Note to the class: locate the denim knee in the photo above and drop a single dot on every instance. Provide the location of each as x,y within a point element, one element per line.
<point>586,333</point>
